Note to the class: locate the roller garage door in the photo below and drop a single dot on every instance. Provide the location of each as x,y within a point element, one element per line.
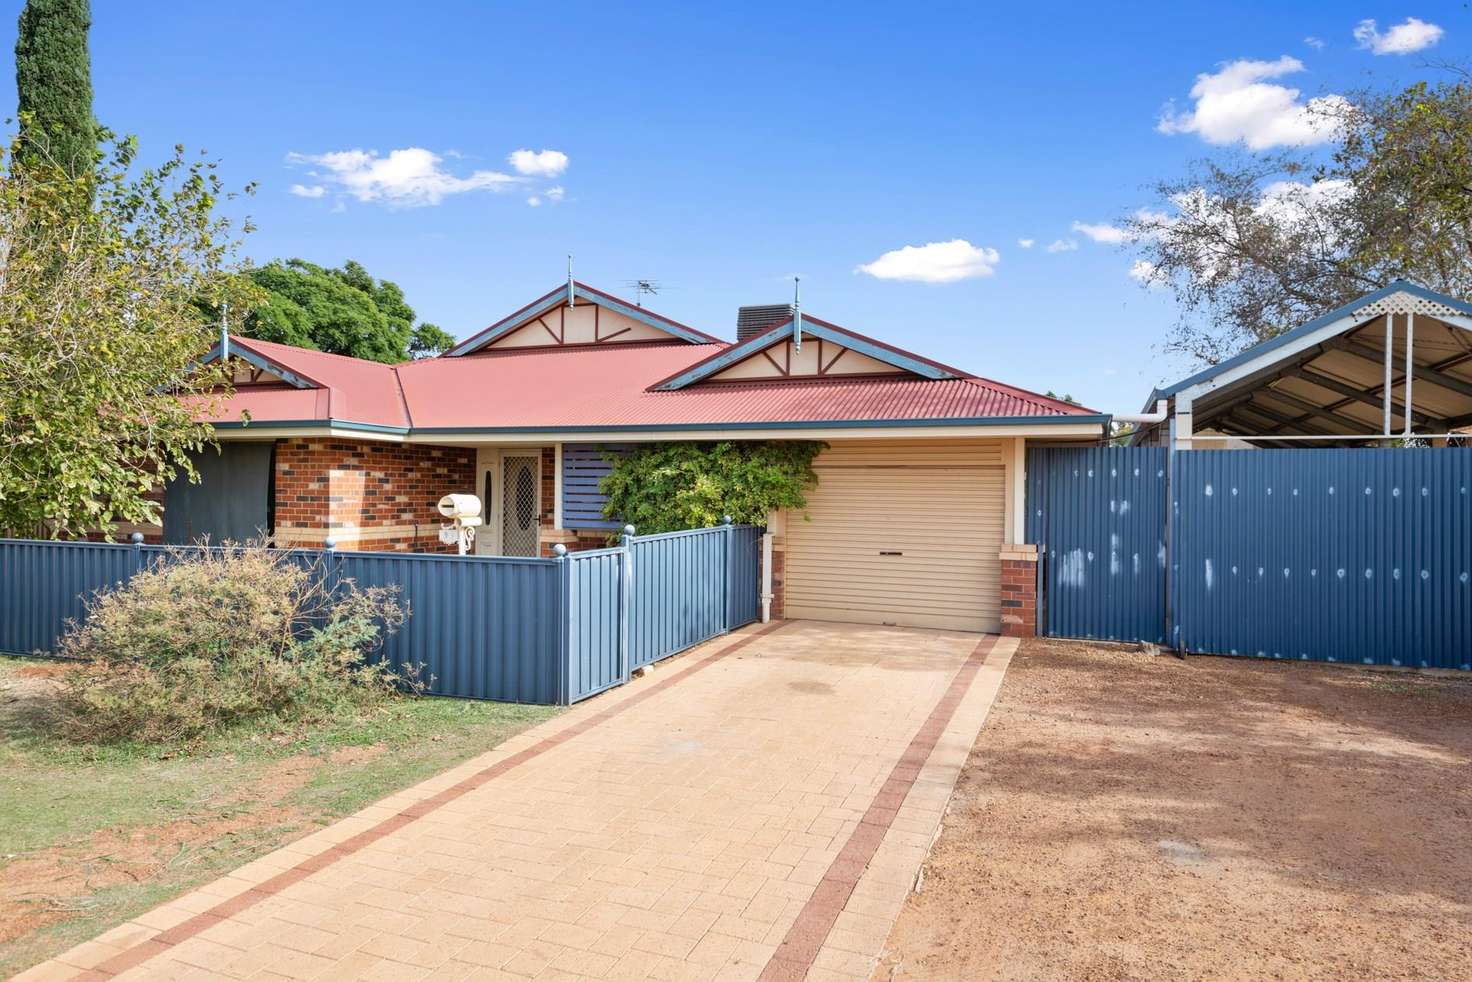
<point>902,533</point>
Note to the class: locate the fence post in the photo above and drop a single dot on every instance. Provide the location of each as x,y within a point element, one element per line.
<point>137,539</point>
<point>625,597</point>
<point>564,625</point>
<point>728,529</point>
<point>1173,636</point>
<point>329,564</point>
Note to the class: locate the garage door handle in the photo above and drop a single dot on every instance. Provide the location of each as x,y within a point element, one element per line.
<point>886,552</point>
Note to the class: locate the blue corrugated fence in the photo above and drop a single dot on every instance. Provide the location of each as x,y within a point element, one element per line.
<point>1360,555</point>
<point>1097,515</point>
<point>1351,555</point>
<point>484,627</point>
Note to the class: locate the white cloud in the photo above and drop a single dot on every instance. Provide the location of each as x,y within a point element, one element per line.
<point>1103,234</point>
<point>1238,103</point>
<point>1025,243</point>
<point>1402,39</point>
<point>1063,245</point>
<point>534,201</point>
<point>934,262</point>
<point>1291,203</point>
<point>538,163</point>
<point>1144,273</point>
<point>303,191</point>
<point>409,178</point>
<point>1316,43</point>
<point>556,193</point>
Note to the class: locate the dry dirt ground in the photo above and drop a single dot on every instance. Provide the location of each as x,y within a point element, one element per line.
<point>1124,816</point>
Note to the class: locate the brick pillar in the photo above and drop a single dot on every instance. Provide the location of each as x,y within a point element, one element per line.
<point>779,593</point>
<point>1019,591</point>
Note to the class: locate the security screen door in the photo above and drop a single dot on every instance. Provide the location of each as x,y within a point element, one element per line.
<point>520,504</point>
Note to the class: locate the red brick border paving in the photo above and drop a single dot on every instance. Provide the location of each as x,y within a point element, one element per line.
<point>162,942</point>
<point>795,955</point>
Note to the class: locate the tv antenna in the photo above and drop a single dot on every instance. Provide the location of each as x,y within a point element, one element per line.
<point>641,287</point>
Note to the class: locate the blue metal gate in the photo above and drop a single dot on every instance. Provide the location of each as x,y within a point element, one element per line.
<point>1097,515</point>
<point>1359,555</point>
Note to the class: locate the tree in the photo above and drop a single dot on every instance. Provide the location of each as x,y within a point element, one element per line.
<point>430,340</point>
<point>100,333</point>
<point>1254,245</point>
<point>53,79</point>
<point>343,311</point>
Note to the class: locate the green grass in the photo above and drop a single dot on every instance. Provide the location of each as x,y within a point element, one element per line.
<point>54,797</point>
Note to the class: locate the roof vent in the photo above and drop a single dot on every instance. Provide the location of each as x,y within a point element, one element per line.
<point>751,321</point>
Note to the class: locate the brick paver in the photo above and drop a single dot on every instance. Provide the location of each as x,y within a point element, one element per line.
<point>756,809</point>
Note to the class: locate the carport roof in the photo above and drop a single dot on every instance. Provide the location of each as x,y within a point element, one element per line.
<point>1328,377</point>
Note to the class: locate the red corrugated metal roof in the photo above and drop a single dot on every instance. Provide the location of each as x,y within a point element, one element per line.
<point>608,386</point>
<point>355,389</point>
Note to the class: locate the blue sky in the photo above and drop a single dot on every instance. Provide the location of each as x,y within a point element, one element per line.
<point>721,148</point>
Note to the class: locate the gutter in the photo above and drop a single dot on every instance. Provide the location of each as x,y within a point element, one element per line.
<point>1100,419</point>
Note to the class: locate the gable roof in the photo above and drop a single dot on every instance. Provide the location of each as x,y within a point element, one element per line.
<point>811,327</point>
<point>612,388</point>
<point>317,385</point>
<point>557,297</point>
<point>587,388</point>
<point>1328,377</point>
<point>1288,338</point>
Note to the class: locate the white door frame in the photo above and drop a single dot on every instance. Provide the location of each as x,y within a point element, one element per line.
<point>488,539</point>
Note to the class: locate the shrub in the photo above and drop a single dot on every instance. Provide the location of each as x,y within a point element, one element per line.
<point>664,487</point>
<point>211,638</point>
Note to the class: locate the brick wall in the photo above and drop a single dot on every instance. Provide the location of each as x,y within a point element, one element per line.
<point>1019,591</point>
<point>365,494</point>
<point>779,556</point>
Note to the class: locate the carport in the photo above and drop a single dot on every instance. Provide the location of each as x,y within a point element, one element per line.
<point>1395,364</point>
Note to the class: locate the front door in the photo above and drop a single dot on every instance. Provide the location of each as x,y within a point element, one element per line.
<point>520,503</point>
<point>509,485</point>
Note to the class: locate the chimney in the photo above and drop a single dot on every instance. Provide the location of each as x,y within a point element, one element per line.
<point>751,321</point>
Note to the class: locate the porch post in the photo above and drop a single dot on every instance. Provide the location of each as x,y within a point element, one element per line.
<point>557,485</point>
<point>1181,423</point>
<point>1389,364</point>
<point>1410,368</point>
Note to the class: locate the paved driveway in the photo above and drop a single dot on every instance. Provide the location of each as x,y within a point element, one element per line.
<point>755,809</point>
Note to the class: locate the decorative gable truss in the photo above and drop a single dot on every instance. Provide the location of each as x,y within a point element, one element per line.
<point>827,351</point>
<point>591,318</point>
<point>253,368</point>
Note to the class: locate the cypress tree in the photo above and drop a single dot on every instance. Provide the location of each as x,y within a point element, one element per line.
<point>53,77</point>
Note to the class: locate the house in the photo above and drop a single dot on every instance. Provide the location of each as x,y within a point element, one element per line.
<point>916,520</point>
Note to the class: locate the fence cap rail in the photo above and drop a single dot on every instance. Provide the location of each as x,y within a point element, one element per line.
<point>712,530</point>
<point>595,553</point>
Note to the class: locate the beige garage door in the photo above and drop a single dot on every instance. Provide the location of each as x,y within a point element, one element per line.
<point>900,533</point>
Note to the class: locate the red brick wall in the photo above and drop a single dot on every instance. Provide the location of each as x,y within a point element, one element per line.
<point>366,495</point>
<point>1019,598</point>
<point>548,517</point>
<point>779,555</point>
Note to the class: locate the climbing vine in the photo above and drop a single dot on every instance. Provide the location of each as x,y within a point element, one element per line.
<point>669,486</point>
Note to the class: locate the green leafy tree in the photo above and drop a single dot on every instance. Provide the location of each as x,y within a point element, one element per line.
<point>53,79</point>
<point>670,486</point>
<point>344,311</point>
<point>430,340</point>
<point>100,332</point>
<point>1252,245</point>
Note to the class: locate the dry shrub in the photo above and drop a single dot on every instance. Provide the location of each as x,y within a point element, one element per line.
<point>209,638</point>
